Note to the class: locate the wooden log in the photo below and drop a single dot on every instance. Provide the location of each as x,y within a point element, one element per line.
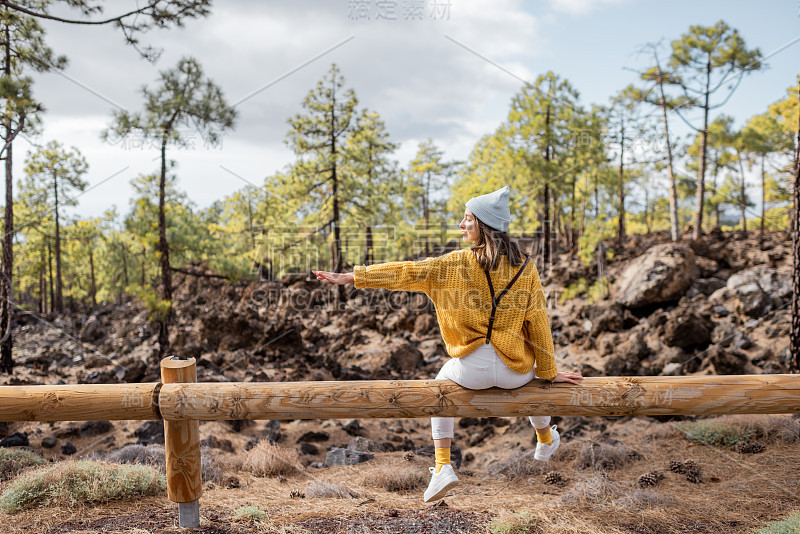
<point>182,439</point>
<point>607,396</point>
<point>83,402</point>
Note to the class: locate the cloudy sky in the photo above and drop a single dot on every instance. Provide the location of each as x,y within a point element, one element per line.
<point>447,72</point>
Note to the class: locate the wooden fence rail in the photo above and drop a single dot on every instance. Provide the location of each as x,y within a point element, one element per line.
<point>642,395</point>
<point>182,402</point>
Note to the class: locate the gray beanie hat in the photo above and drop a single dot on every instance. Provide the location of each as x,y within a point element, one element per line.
<point>492,209</point>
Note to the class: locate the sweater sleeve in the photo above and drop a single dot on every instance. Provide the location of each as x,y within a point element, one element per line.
<point>540,338</point>
<point>398,275</point>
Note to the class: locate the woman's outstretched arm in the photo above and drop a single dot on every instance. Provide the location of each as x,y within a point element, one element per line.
<point>337,278</point>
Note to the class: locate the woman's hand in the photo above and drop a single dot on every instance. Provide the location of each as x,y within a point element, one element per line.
<point>336,278</point>
<point>568,376</point>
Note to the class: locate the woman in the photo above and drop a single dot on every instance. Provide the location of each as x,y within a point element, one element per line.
<point>496,339</point>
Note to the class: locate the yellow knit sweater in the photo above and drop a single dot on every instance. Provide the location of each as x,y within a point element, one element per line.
<point>457,286</point>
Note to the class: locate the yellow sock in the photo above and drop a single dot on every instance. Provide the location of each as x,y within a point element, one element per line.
<point>544,436</point>
<point>442,458</point>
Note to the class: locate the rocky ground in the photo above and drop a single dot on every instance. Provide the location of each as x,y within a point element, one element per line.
<point>717,306</point>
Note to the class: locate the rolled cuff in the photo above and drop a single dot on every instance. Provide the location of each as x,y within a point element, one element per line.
<point>358,276</point>
<point>546,371</point>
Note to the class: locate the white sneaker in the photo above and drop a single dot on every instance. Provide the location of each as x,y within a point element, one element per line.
<point>544,452</point>
<point>440,483</point>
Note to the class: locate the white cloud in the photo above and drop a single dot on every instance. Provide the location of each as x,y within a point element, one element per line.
<point>582,7</point>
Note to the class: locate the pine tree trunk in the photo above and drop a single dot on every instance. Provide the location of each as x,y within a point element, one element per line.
<point>794,334</point>
<point>701,171</point>
<point>93,288</point>
<point>546,219</point>
<point>368,256</point>
<point>621,190</point>
<point>59,290</point>
<point>674,222</point>
<point>6,285</point>
<point>50,276</point>
<point>42,286</point>
<point>166,275</point>
<point>763,202</point>
<point>742,199</point>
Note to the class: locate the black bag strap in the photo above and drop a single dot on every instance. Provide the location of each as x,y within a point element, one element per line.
<point>495,301</point>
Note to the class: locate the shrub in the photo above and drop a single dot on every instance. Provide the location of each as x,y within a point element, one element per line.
<point>717,432</point>
<point>516,465</point>
<point>328,489</point>
<point>77,482</point>
<point>396,479</point>
<point>603,456</point>
<point>597,489</point>
<point>12,461</point>
<point>249,513</point>
<point>521,523</point>
<point>790,525</point>
<point>599,290</point>
<point>573,290</point>
<point>267,459</point>
<point>155,456</point>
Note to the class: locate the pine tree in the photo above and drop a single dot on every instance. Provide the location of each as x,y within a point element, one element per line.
<point>317,137</point>
<point>23,48</point>
<point>154,14</point>
<point>55,173</point>
<point>426,175</point>
<point>707,59</point>
<point>655,95</point>
<point>367,160</point>
<point>540,121</point>
<point>184,98</point>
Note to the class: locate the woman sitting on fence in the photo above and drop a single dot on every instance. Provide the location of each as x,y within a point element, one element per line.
<point>491,311</point>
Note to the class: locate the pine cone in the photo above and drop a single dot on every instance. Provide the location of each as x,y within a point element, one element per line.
<point>408,456</point>
<point>689,465</point>
<point>752,447</point>
<point>694,475</point>
<point>650,479</point>
<point>553,477</point>
<point>297,494</point>
<point>676,466</point>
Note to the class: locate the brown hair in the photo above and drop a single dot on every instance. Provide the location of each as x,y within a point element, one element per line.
<point>491,244</point>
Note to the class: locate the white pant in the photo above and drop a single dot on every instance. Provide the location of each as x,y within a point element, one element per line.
<point>481,369</point>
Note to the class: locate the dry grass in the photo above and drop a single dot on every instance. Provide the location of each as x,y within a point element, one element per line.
<point>510,523</point>
<point>267,459</point>
<point>155,456</point>
<point>516,465</point>
<point>76,482</point>
<point>597,489</point>
<point>401,478</point>
<point>601,456</point>
<point>13,461</point>
<point>328,489</point>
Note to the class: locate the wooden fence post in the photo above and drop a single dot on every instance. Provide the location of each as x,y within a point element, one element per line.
<point>182,447</point>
